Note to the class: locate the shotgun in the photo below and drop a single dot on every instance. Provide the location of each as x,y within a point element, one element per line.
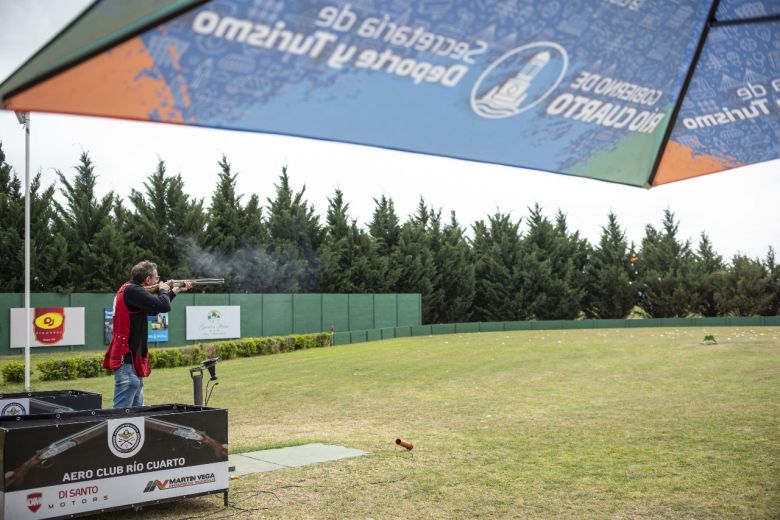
<point>195,282</point>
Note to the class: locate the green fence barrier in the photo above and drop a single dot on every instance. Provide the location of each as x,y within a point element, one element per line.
<point>358,336</point>
<point>341,338</point>
<point>491,326</point>
<point>403,332</point>
<point>355,318</point>
<point>443,328</point>
<point>466,327</point>
<point>500,326</point>
<point>261,314</point>
<point>421,330</point>
<point>518,325</point>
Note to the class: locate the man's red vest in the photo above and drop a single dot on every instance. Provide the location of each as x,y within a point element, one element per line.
<point>120,341</point>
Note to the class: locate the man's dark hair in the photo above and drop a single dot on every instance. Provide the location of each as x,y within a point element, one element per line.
<point>142,269</point>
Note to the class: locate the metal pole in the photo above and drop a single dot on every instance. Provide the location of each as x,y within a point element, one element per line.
<point>197,385</point>
<point>27,240</point>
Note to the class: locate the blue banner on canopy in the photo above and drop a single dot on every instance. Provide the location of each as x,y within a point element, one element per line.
<point>582,87</point>
<point>562,86</point>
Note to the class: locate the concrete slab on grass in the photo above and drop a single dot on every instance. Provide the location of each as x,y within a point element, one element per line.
<point>245,465</point>
<point>292,457</point>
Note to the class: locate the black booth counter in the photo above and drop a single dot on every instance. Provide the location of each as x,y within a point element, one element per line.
<point>53,401</point>
<point>73,463</point>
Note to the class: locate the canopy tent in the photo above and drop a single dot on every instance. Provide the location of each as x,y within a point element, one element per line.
<point>624,91</point>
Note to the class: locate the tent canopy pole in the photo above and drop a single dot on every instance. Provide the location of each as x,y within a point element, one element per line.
<point>24,119</point>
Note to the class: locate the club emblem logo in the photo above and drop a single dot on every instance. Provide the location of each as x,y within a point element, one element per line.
<point>126,436</point>
<point>34,501</point>
<point>519,80</point>
<point>14,408</point>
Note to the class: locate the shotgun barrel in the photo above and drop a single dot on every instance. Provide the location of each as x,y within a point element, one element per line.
<point>199,281</point>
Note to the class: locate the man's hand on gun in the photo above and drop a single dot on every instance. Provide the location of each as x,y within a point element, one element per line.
<point>177,286</point>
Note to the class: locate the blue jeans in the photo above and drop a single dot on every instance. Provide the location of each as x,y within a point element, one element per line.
<point>128,387</point>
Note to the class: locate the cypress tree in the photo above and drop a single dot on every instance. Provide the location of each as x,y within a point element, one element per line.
<point>223,228</point>
<point>436,299</point>
<point>665,265</point>
<point>550,280</point>
<point>350,263</point>
<point>498,257</point>
<point>165,223</point>
<point>610,293</point>
<point>415,259</point>
<point>295,237</point>
<point>255,232</point>
<point>11,222</point>
<point>745,289</point>
<point>707,274</point>
<point>48,251</point>
<point>97,256</point>
<point>336,249</point>
<point>454,273</point>
<point>385,232</point>
<point>773,272</point>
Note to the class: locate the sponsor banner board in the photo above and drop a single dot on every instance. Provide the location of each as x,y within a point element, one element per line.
<point>108,325</point>
<point>213,322</point>
<point>157,326</point>
<point>54,401</point>
<point>91,495</point>
<point>49,327</point>
<point>57,465</point>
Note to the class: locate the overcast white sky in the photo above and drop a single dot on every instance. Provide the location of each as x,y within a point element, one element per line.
<point>737,209</point>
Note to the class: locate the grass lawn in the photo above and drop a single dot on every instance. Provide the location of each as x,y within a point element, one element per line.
<point>613,423</point>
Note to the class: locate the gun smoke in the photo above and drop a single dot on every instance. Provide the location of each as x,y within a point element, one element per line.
<point>258,269</point>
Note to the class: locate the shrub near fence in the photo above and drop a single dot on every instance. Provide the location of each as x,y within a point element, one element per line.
<point>13,372</point>
<point>92,366</point>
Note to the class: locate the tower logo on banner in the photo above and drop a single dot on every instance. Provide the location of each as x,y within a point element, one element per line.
<point>519,80</point>
<point>126,436</point>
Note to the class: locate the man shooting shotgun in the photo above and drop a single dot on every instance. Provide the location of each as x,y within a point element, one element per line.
<point>128,353</point>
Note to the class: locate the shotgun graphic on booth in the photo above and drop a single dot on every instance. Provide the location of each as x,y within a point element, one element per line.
<point>44,457</point>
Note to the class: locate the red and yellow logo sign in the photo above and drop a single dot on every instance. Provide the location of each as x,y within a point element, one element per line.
<point>49,324</point>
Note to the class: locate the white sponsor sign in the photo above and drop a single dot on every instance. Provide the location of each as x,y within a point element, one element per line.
<point>18,406</point>
<point>126,436</point>
<point>49,327</point>
<point>94,495</point>
<point>216,322</point>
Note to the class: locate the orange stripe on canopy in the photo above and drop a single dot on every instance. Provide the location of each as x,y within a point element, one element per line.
<point>679,162</point>
<point>99,87</point>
